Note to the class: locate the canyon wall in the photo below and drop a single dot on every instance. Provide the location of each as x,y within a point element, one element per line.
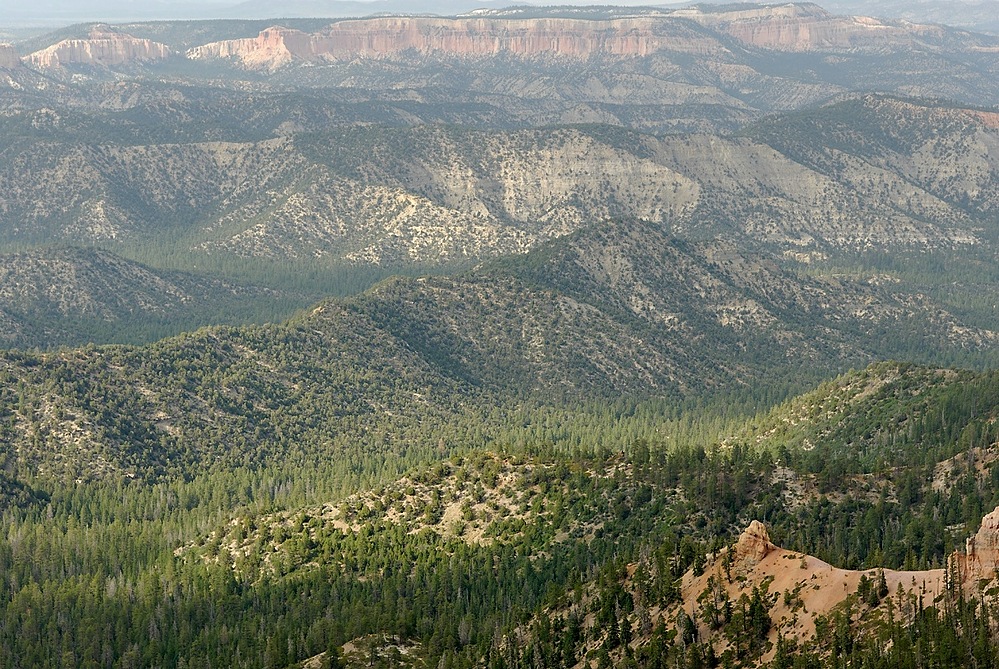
<point>807,27</point>
<point>792,27</point>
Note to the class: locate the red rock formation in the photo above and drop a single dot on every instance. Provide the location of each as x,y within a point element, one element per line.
<point>272,48</point>
<point>789,27</point>
<point>465,37</point>
<point>103,47</point>
<point>9,59</point>
<point>487,37</point>
<point>981,556</point>
<point>753,545</point>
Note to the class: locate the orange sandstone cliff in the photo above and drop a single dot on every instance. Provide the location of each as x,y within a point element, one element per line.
<point>981,556</point>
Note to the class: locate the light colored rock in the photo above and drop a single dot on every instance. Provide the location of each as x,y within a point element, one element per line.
<point>787,28</point>
<point>462,37</point>
<point>271,49</point>
<point>754,543</point>
<point>807,28</point>
<point>9,59</point>
<point>104,47</point>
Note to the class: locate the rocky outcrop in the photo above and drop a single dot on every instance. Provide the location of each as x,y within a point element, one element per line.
<point>104,47</point>
<point>9,59</point>
<point>981,553</point>
<point>754,543</point>
<point>272,48</point>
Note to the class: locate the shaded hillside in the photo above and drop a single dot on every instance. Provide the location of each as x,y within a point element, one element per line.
<point>947,153</point>
<point>870,174</point>
<point>616,310</point>
<point>887,415</point>
<point>72,296</point>
<point>579,557</point>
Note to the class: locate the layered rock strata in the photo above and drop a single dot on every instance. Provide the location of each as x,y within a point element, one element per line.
<point>790,27</point>
<point>104,47</point>
<point>463,37</point>
<point>807,27</point>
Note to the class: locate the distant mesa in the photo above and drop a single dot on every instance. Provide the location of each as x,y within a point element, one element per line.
<point>791,27</point>
<point>806,27</point>
<point>104,47</point>
<point>272,48</point>
<point>393,36</point>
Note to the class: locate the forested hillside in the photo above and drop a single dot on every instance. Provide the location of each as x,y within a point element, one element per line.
<point>207,485</point>
<point>880,189</point>
<point>536,338</point>
<point>620,310</point>
<point>452,562</point>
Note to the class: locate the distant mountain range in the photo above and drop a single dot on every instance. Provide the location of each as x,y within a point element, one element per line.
<point>285,156</point>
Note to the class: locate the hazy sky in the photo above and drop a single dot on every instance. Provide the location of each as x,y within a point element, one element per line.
<point>973,14</point>
<point>89,10</point>
<point>71,11</point>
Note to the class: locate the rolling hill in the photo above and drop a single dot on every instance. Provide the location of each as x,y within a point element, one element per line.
<point>71,296</point>
<point>614,310</point>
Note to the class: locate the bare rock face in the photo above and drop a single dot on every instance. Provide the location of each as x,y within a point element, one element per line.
<point>754,544</point>
<point>981,556</point>
<point>463,37</point>
<point>104,47</point>
<point>271,49</point>
<point>806,28</point>
<point>9,59</point>
<point>791,27</point>
<point>488,37</point>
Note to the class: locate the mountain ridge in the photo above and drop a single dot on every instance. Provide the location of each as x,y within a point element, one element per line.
<point>70,296</point>
<point>814,188</point>
<point>560,325</point>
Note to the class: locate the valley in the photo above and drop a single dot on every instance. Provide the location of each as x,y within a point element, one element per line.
<point>573,337</point>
